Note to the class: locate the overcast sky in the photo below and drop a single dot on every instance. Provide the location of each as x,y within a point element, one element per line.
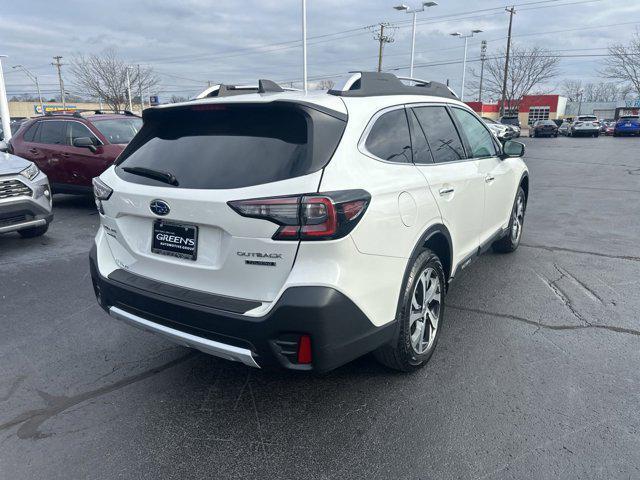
<point>192,41</point>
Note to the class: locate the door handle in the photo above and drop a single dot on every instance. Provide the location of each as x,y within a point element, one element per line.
<point>489,178</point>
<point>65,155</point>
<point>33,150</point>
<point>446,191</point>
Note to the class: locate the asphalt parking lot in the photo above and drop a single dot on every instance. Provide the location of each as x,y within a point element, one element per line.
<point>536,374</point>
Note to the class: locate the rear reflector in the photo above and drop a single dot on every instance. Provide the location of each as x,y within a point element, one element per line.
<point>323,216</point>
<point>304,349</point>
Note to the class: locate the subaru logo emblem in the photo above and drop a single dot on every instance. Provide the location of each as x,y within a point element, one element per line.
<point>159,207</point>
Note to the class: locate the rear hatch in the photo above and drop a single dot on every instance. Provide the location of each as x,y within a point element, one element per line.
<point>170,211</point>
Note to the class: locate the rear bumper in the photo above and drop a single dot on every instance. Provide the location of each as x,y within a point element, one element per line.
<point>627,131</point>
<point>339,330</point>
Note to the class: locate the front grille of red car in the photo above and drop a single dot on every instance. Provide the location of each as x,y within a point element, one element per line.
<point>14,188</point>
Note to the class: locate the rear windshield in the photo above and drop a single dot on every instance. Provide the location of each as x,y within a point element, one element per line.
<point>232,146</point>
<point>510,120</point>
<point>629,118</point>
<point>119,130</point>
<point>587,118</point>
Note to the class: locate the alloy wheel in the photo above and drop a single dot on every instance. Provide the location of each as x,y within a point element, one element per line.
<point>518,220</point>
<point>425,310</point>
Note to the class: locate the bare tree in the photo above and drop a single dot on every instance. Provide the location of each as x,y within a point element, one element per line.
<point>572,89</point>
<point>325,85</point>
<point>593,92</point>
<point>623,62</point>
<point>177,99</point>
<point>105,76</point>
<point>529,69</point>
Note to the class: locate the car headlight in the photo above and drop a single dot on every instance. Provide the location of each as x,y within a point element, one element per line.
<point>101,190</point>
<point>30,172</point>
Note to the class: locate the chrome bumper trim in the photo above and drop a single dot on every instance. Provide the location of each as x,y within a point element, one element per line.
<point>222,350</point>
<point>22,225</point>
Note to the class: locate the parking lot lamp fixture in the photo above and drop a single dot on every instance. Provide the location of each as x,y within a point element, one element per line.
<point>464,61</point>
<point>34,79</point>
<point>414,11</point>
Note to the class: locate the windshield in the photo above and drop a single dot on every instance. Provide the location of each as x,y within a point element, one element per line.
<point>587,118</point>
<point>119,130</point>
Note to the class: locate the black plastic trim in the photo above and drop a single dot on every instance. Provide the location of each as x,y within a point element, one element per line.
<point>382,83</point>
<point>173,292</point>
<point>339,330</point>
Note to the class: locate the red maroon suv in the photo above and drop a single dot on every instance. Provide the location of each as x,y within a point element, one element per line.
<point>73,148</point>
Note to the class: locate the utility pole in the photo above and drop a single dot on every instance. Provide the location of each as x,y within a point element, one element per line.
<point>382,39</point>
<point>512,11</point>
<point>57,64</point>
<point>140,90</point>
<point>483,58</point>
<point>129,89</point>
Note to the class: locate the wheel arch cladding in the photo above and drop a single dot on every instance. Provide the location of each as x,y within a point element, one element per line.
<point>440,244</point>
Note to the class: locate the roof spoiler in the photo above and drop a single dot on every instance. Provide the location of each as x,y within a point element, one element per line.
<point>370,84</point>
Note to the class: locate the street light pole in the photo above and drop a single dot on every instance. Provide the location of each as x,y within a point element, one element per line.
<point>4,106</point>
<point>464,61</point>
<point>414,12</point>
<point>34,79</point>
<point>129,90</point>
<point>304,45</point>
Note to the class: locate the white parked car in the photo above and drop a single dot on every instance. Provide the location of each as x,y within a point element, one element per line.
<point>585,125</point>
<point>304,230</point>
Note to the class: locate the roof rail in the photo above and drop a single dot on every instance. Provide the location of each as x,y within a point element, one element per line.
<point>223,90</point>
<point>371,84</point>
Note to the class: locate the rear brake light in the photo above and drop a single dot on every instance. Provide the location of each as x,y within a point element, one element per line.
<point>325,216</point>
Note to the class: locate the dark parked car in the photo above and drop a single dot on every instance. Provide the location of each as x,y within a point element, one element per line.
<point>544,128</point>
<point>512,121</point>
<point>73,148</point>
<point>627,125</point>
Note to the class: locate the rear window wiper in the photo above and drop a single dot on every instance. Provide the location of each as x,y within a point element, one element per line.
<point>166,177</point>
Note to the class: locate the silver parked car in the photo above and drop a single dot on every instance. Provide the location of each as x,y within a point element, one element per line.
<point>25,197</point>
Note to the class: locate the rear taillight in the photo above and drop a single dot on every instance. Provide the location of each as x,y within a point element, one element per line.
<point>321,216</point>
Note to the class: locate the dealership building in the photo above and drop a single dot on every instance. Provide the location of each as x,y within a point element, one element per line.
<point>551,107</point>
<point>530,108</point>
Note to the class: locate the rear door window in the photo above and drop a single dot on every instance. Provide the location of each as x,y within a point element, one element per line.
<point>441,133</point>
<point>419,145</point>
<point>53,132</point>
<point>389,138</point>
<point>232,146</point>
<point>32,133</point>
<point>478,137</point>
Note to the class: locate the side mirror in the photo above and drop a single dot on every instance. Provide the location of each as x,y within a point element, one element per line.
<point>84,142</point>
<point>4,146</point>
<point>512,149</point>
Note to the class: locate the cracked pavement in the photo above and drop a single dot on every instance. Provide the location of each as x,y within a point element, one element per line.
<point>535,375</point>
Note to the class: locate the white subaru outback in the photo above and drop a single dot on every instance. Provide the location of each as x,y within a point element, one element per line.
<point>304,230</point>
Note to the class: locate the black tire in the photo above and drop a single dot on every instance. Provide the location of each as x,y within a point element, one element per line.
<point>402,355</point>
<point>508,243</point>
<point>34,232</point>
